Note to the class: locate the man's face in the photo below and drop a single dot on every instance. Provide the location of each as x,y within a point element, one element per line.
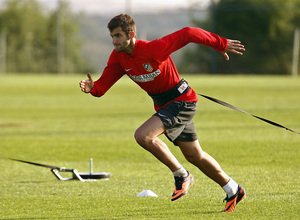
<point>119,39</point>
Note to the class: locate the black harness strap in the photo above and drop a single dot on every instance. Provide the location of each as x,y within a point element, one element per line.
<point>33,163</point>
<point>161,99</point>
<point>240,110</point>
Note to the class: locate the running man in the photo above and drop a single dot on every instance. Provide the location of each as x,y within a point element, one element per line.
<point>148,64</point>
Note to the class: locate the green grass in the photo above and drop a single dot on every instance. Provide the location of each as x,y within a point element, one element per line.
<point>46,119</point>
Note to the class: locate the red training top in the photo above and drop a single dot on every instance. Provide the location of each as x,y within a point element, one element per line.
<point>150,64</point>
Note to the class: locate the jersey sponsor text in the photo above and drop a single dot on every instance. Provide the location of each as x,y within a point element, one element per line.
<point>145,77</point>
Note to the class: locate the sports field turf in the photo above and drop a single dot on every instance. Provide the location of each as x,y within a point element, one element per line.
<point>46,119</point>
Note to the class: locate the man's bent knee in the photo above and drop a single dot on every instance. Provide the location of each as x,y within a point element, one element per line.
<point>148,131</point>
<point>139,137</point>
<point>142,138</point>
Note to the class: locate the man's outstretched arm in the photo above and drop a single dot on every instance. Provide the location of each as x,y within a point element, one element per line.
<point>165,46</point>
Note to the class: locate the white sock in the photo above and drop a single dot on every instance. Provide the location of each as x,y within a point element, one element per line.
<point>231,188</point>
<point>180,172</point>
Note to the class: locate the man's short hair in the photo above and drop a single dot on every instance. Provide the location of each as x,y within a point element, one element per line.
<point>124,21</point>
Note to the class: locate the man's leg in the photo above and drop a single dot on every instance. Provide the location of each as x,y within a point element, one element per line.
<point>147,136</point>
<point>210,167</point>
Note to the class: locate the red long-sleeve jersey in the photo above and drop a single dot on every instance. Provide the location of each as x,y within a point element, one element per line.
<point>150,64</point>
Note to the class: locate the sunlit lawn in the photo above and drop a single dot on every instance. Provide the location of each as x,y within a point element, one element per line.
<point>46,119</point>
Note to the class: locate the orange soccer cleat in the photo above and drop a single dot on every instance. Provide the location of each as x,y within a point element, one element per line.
<point>182,185</point>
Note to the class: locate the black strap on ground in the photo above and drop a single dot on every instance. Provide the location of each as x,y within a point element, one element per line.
<point>33,163</point>
<point>240,110</point>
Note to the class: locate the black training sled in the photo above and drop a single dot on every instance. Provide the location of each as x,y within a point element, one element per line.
<point>90,176</point>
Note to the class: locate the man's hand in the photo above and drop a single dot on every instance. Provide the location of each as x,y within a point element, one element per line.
<point>87,85</point>
<point>234,46</point>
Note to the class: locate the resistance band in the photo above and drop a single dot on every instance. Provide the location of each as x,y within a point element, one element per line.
<point>36,164</point>
<point>240,110</point>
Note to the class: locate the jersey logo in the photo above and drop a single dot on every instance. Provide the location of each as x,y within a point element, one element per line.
<point>148,67</point>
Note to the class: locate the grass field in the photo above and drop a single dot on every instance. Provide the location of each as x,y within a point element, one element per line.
<point>46,119</point>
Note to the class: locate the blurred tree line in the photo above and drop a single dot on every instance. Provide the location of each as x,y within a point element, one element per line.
<point>265,27</point>
<point>35,40</point>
